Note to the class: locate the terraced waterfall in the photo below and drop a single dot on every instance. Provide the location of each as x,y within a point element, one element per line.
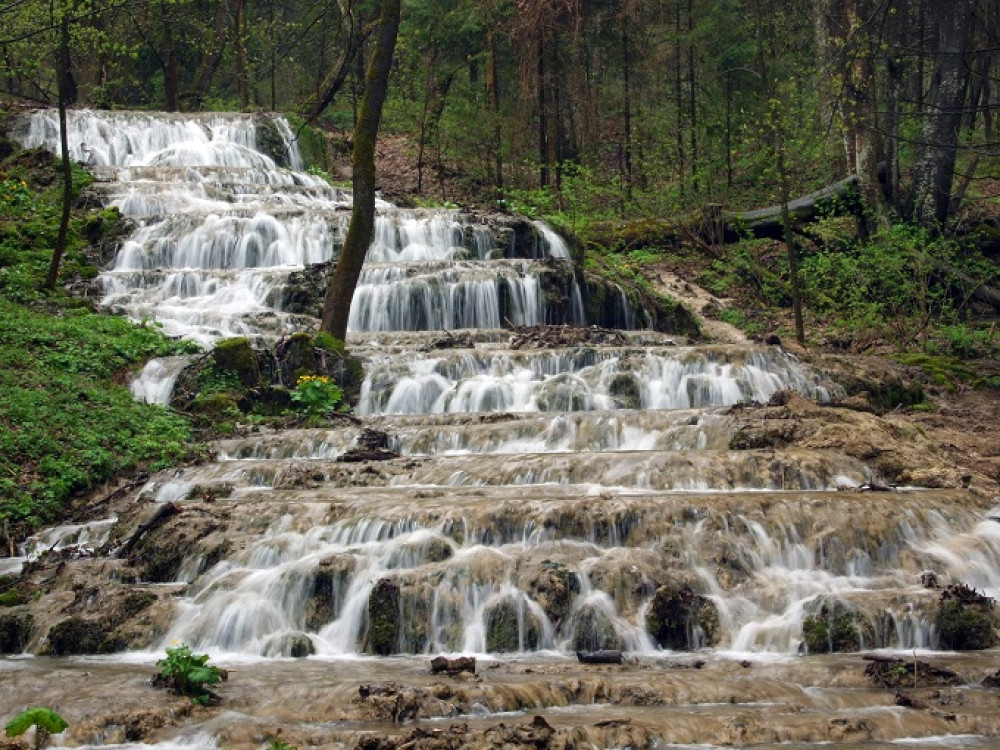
<point>581,491</point>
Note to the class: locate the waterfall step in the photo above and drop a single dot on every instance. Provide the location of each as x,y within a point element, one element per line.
<point>681,470</point>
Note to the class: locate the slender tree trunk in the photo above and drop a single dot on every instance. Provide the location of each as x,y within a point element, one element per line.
<point>493,93</point>
<point>242,76</point>
<point>692,111</point>
<point>171,75</point>
<point>344,279</point>
<point>934,169</point>
<point>791,249</point>
<point>65,85</point>
<point>543,125</point>
<point>678,97</point>
<point>210,63</point>
<point>627,106</point>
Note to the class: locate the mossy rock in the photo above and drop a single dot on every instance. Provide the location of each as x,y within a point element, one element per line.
<point>503,631</point>
<point>624,389</point>
<point>268,140</point>
<point>965,620</point>
<point>15,632</point>
<point>13,597</point>
<point>555,588</point>
<point>383,618</point>
<point>331,574</point>
<point>77,635</point>
<point>416,608</point>
<point>216,406</point>
<point>680,619</point>
<point>594,630</point>
<point>836,628</point>
<point>295,645</point>
<point>237,356</point>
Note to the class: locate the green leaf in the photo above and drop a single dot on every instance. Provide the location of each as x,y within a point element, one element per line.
<point>44,718</point>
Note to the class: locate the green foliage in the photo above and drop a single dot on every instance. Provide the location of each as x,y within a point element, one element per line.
<point>277,744</point>
<point>187,673</point>
<point>67,419</point>
<point>317,394</point>
<point>331,343</point>
<point>45,720</point>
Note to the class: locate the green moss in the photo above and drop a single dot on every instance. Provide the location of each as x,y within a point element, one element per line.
<point>383,618</point>
<point>12,598</point>
<point>965,620</point>
<point>237,356</point>
<point>624,389</point>
<point>680,619</point>
<point>15,632</point>
<point>835,628</point>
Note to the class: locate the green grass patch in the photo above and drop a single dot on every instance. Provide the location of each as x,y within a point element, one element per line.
<point>67,417</point>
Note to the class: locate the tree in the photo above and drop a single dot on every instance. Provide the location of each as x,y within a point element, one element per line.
<point>344,279</point>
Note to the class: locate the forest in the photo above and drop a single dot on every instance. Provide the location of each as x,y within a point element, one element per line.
<point>608,110</point>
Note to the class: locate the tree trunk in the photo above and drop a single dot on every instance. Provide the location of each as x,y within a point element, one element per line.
<point>171,75</point>
<point>344,279</point>
<point>493,93</point>
<point>210,63</point>
<point>239,39</point>
<point>65,85</point>
<point>543,126</point>
<point>934,169</point>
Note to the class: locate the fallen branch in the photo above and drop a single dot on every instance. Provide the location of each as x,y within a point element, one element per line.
<point>159,517</point>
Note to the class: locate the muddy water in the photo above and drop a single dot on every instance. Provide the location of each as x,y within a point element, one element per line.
<point>543,501</point>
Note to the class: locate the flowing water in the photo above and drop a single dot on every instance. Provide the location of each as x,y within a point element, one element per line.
<point>544,501</point>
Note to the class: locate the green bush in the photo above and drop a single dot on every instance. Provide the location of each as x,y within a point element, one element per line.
<point>187,673</point>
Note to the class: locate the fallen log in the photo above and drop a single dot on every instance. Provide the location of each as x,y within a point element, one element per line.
<point>603,656</point>
<point>442,664</point>
<point>839,199</point>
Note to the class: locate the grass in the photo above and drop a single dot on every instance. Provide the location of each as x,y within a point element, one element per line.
<point>68,421</point>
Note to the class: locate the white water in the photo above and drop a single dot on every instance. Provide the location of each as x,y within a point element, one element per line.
<point>479,512</point>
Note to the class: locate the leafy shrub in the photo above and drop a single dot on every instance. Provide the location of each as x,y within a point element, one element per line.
<point>187,673</point>
<point>317,394</point>
<point>45,720</point>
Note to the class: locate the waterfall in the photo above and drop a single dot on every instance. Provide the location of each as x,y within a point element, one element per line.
<point>547,495</point>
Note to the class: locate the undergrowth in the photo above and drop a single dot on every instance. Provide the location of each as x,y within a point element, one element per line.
<point>67,418</point>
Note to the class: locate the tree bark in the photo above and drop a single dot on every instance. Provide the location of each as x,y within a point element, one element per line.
<point>344,279</point>
<point>934,169</point>
<point>171,75</point>
<point>65,86</point>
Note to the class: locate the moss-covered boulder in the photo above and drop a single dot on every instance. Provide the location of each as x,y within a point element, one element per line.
<point>594,630</point>
<point>331,575</point>
<point>268,140</point>
<point>624,389</point>
<point>680,619</point>
<point>383,618</point>
<point>965,620</point>
<point>510,627</point>
<point>554,587</point>
<point>835,627</point>
<point>78,635</point>
<point>237,356</point>
<point>15,632</point>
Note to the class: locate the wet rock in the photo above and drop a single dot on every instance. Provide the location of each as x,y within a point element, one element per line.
<point>554,587</point>
<point>600,657</point>
<point>444,665</point>
<point>965,620</point>
<point>15,632</point>
<point>236,356</point>
<point>510,627</point>
<point>594,630</point>
<point>888,672</point>
<point>330,575</point>
<point>624,389</point>
<point>268,140</point>
<point>383,618</point>
<point>836,628</point>
<point>77,635</point>
<point>680,619</point>
<point>296,645</point>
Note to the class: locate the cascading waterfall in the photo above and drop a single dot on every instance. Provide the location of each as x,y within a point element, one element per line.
<point>543,496</point>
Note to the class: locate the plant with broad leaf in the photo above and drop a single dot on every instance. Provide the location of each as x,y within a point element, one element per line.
<point>317,394</point>
<point>45,721</point>
<point>188,673</point>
